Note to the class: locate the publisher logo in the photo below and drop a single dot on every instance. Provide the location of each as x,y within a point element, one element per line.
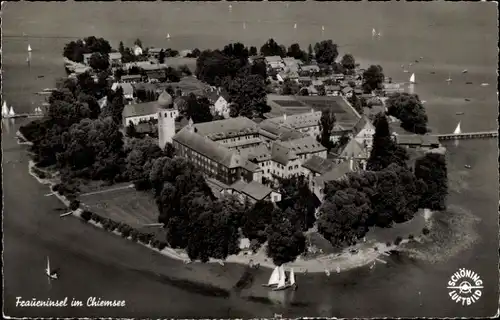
<point>465,287</point>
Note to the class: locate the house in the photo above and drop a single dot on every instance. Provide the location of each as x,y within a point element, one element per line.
<point>305,81</point>
<point>135,113</point>
<point>336,173</point>
<point>332,90</point>
<point>275,62</point>
<point>131,78</point>
<point>307,122</point>
<point>155,52</point>
<point>338,76</point>
<point>363,132</point>
<point>390,88</point>
<point>355,151</point>
<point>347,92</point>
<point>137,50</point>
<point>358,92</point>
<point>219,99</point>
<point>309,69</point>
<point>251,192</point>
<point>315,167</point>
<point>213,159</point>
<point>416,141</point>
<point>128,90</point>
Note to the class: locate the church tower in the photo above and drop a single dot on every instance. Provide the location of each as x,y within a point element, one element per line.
<point>166,119</point>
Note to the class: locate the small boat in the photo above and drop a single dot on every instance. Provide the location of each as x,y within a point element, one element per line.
<point>168,36</point>
<point>230,7</point>
<point>417,61</point>
<point>468,82</point>
<point>379,34</point>
<point>459,113</point>
<point>244,26</point>
<point>5,109</point>
<point>465,71</point>
<point>458,130</point>
<point>40,76</point>
<point>433,72</point>
<point>295,26</point>
<point>274,279</point>
<point>412,78</point>
<point>65,214</point>
<point>29,48</point>
<point>338,269</point>
<point>410,64</point>
<point>467,166</point>
<point>405,71</point>
<point>421,58</point>
<point>11,112</point>
<point>327,272</point>
<point>52,274</point>
<point>484,84</point>
<point>374,32</point>
<point>467,99</point>
<point>424,101</point>
<point>449,79</point>
<point>322,28</point>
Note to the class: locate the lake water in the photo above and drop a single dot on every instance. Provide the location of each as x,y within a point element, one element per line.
<point>449,37</point>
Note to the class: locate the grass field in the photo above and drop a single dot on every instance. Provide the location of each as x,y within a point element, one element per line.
<point>124,205</point>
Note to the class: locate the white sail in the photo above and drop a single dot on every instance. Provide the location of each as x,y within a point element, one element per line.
<point>322,28</point>
<point>282,280</point>
<point>48,266</point>
<point>295,26</point>
<point>244,26</point>
<point>275,277</point>
<point>412,78</point>
<point>449,79</point>
<point>168,35</point>
<point>292,277</point>
<point>374,32</point>
<point>5,109</point>
<point>458,130</point>
<point>29,48</point>
<point>11,112</point>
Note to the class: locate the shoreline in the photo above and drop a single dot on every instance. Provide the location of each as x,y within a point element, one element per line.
<point>366,253</point>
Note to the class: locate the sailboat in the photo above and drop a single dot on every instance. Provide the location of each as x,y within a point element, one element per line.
<point>283,283</point>
<point>168,35</point>
<point>374,32</point>
<point>295,26</point>
<point>379,34</point>
<point>449,78</point>
<point>5,109</point>
<point>274,279</point>
<point>322,28</point>
<point>52,274</point>
<point>11,112</point>
<point>412,78</point>
<point>29,48</point>
<point>458,130</point>
<point>244,26</point>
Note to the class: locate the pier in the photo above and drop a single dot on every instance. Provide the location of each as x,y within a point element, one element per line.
<point>25,115</point>
<point>468,135</point>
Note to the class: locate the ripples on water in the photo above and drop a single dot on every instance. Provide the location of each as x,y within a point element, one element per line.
<point>452,232</point>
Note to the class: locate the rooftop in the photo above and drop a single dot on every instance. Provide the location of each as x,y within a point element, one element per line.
<point>337,172</point>
<point>252,189</point>
<point>296,121</point>
<point>306,144</point>
<point>363,123</point>
<point>416,139</point>
<point>353,150</point>
<point>318,165</point>
<point>227,128</point>
<point>139,109</point>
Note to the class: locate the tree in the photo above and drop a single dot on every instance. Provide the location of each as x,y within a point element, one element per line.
<point>310,53</point>
<point>290,87</point>
<point>91,103</point>
<point>161,56</point>
<point>115,108</point>
<point>138,42</point>
<point>431,168</point>
<point>295,52</point>
<point>409,109</point>
<point>198,109</point>
<point>131,131</point>
<point>343,217</point>
<point>248,96</point>
<point>373,77</point>
<point>271,48</point>
<point>256,220</point>
<point>358,103</point>
<point>326,52</point>
<point>297,196</point>
<point>348,62</point>
<point>384,150</point>
<point>326,123</point>
<point>253,51</point>
<point>172,75</point>
<point>121,47</point>
<point>284,242</point>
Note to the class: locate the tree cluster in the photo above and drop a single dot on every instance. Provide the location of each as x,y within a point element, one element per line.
<point>373,77</point>
<point>384,150</point>
<point>326,124</point>
<point>409,110</point>
<point>75,50</point>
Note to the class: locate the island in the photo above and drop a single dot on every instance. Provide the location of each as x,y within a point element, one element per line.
<point>270,157</point>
